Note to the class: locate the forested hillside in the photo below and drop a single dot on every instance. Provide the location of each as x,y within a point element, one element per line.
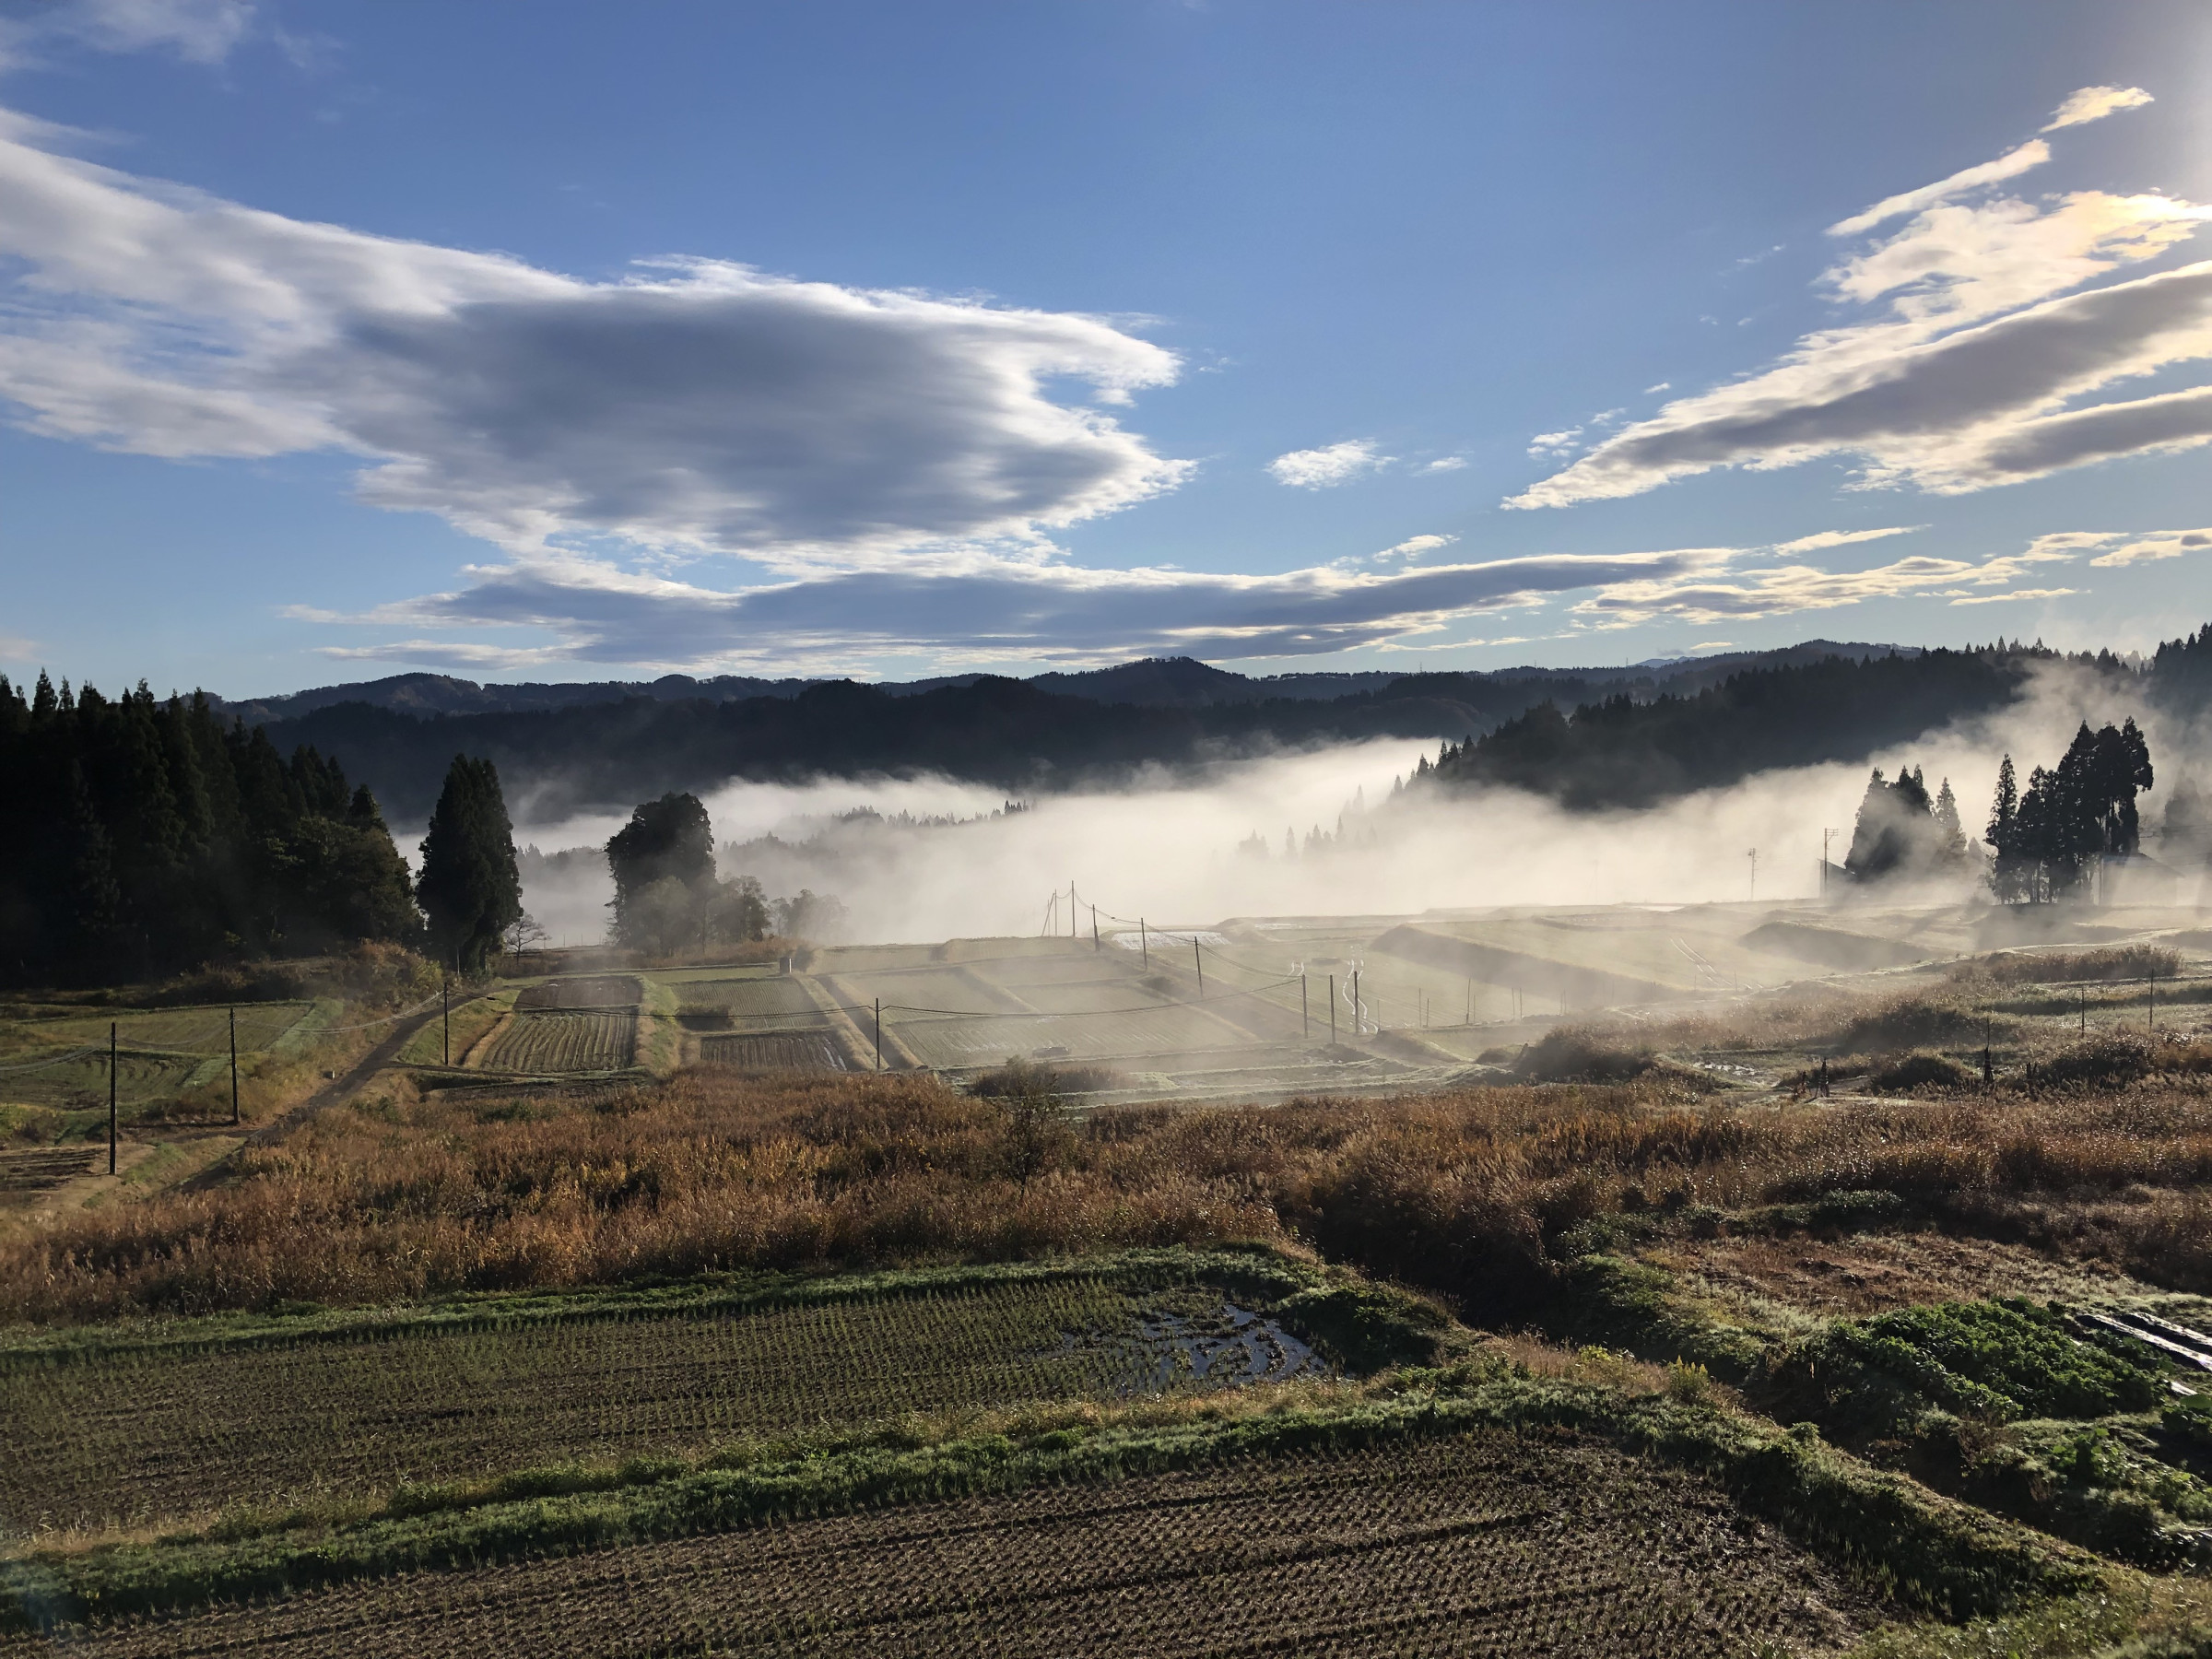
<point>1004,732</point>
<point>1621,752</point>
<point>138,837</point>
<point>1018,735</point>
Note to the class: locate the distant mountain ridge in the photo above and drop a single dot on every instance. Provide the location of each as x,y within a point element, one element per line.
<point>1148,682</point>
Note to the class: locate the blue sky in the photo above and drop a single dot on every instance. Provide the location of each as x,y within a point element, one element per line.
<point>569,341</point>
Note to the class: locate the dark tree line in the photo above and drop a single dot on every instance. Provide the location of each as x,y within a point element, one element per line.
<point>667,895</point>
<point>1901,830</point>
<point>140,837</point>
<point>1623,752</point>
<point>2047,838</point>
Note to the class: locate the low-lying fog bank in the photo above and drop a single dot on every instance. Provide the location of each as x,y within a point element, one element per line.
<point>929,858</point>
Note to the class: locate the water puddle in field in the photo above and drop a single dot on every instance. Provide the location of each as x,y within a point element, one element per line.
<point>1228,1346</point>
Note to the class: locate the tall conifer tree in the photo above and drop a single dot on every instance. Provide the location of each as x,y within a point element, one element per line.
<point>470,887</point>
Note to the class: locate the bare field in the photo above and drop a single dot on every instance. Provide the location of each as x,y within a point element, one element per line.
<point>592,991</point>
<point>539,1041</point>
<point>126,1433</point>
<point>1491,1544</point>
<point>774,1050</point>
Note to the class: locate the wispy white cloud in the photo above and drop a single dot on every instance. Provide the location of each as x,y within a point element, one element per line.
<point>2018,593</point>
<point>2094,104</point>
<point>1447,464</point>
<point>1842,538</point>
<point>2032,154</point>
<point>1662,386</point>
<point>1716,592</point>
<point>2153,544</point>
<point>694,406</point>
<point>1780,590</point>
<point>1328,466</point>
<point>1413,547</point>
<point>200,32</point>
<point>1974,368</point>
<point>1555,443</point>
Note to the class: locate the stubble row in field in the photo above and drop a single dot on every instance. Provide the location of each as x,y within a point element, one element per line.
<point>129,1432</point>
<point>1495,1542</point>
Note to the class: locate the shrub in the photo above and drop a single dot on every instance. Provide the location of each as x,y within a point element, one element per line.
<point>2002,1360</point>
<point>2111,1061</point>
<point>1901,1074</point>
<point>1907,1022</point>
<point>2029,968</point>
<point>1583,1054</point>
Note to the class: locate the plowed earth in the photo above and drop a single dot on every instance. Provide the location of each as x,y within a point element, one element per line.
<point>1496,1544</point>
<point>134,1433</point>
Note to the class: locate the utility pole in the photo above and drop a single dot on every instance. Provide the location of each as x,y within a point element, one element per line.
<point>879,1033</point>
<point>1825,836</point>
<point>445,995</point>
<point>1201,961</point>
<point>1753,855</point>
<point>1071,907</point>
<point>111,1096</point>
<point>234,1065</point>
<point>1144,944</point>
<point>1094,928</point>
<point>1332,1010</point>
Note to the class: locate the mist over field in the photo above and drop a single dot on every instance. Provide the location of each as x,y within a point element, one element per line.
<point>1175,851</point>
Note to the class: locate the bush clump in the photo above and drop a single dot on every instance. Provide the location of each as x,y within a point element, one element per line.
<point>2060,967</point>
<point>1903,1074</point>
<point>2112,1061</point>
<point>1587,1055</point>
<point>1997,1361</point>
<point>1906,1023</point>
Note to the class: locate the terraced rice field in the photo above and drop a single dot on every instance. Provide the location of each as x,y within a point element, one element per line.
<point>743,1003</point>
<point>593,991</point>
<point>1492,1544</point>
<point>936,1041</point>
<point>539,1041</point>
<point>774,1050</point>
<point>81,1082</point>
<point>45,1168</point>
<point>951,989</point>
<point>200,1030</point>
<point>137,1430</point>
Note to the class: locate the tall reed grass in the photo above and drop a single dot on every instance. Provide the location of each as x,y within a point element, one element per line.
<point>1468,1192</point>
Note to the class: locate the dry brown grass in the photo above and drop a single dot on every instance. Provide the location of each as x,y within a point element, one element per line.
<point>1465,1192</point>
<point>2061,967</point>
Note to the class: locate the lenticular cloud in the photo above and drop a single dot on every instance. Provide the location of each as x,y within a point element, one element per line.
<point>1983,342</point>
<point>692,405</point>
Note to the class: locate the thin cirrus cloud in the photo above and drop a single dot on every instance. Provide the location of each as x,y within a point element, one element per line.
<point>1982,343</point>
<point>200,32</point>
<point>1717,593</point>
<point>1327,468</point>
<point>691,406</point>
<point>2094,104</point>
<point>597,614</point>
